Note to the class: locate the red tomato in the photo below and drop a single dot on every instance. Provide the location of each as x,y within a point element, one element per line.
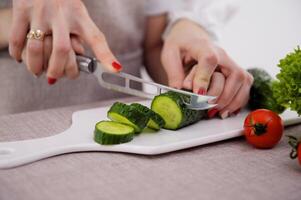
<point>263,128</point>
<point>296,145</point>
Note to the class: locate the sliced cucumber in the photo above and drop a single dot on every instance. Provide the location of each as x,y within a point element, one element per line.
<point>129,115</point>
<point>171,108</point>
<point>155,122</point>
<point>109,132</point>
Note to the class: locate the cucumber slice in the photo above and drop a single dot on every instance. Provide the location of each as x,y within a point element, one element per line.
<point>155,122</point>
<point>108,133</point>
<point>155,125</point>
<point>129,115</point>
<point>176,115</point>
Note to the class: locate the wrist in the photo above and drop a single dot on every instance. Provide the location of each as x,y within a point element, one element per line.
<point>207,26</point>
<point>184,28</point>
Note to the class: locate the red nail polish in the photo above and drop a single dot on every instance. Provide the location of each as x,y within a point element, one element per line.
<point>212,113</point>
<point>202,91</point>
<point>51,81</point>
<point>237,111</point>
<point>116,66</point>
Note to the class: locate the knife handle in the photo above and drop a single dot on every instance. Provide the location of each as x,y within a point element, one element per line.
<point>86,64</point>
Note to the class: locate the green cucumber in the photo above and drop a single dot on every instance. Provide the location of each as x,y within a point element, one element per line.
<point>155,122</point>
<point>170,106</point>
<point>129,115</point>
<point>109,132</point>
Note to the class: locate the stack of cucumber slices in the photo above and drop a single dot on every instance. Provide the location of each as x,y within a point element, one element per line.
<point>127,120</point>
<point>167,111</point>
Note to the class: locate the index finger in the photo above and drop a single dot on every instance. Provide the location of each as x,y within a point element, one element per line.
<point>98,43</point>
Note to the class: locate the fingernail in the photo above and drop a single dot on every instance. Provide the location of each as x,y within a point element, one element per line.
<point>51,81</point>
<point>225,114</point>
<point>37,75</point>
<point>237,111</point>
<point>212,113</point>
<point>116,66</point>
<point>202,91</point>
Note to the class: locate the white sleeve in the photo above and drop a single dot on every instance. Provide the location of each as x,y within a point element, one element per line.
<point>210,14</point>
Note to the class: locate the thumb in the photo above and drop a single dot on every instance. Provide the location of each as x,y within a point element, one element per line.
<point>208,59</point>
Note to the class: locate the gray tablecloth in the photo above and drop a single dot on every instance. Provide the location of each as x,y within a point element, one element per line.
<point>225,170</point>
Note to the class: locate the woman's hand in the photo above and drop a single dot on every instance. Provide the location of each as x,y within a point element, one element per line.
<point>77,49</point>
<point>63,20</point>
<point>190,59</point>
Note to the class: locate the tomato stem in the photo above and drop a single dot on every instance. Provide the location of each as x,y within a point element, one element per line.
<point>259,128</point>
<point>293,142</point>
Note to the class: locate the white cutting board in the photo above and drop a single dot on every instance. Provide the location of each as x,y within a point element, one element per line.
<point>79,138</point>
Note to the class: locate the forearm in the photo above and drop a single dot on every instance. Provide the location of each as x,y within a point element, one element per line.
<point>5,23</point>
<point>153,45</point>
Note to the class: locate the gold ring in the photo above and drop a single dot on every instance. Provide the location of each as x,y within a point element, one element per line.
<point>36,34</point>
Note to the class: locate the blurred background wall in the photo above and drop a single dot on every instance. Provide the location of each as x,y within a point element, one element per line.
<point>262,32</point>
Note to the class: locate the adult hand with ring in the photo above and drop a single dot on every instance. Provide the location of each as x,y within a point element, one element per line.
<point>61,19</point>
<point>77,49</point>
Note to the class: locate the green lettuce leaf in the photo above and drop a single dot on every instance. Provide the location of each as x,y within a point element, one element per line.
<point>287,89</point>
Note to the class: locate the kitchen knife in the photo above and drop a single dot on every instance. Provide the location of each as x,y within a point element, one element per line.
<point>93,66</point>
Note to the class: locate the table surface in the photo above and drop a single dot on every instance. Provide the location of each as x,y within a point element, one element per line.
<point>225,170</point>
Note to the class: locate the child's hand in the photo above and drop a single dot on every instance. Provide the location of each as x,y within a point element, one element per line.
<point>188,43</point>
